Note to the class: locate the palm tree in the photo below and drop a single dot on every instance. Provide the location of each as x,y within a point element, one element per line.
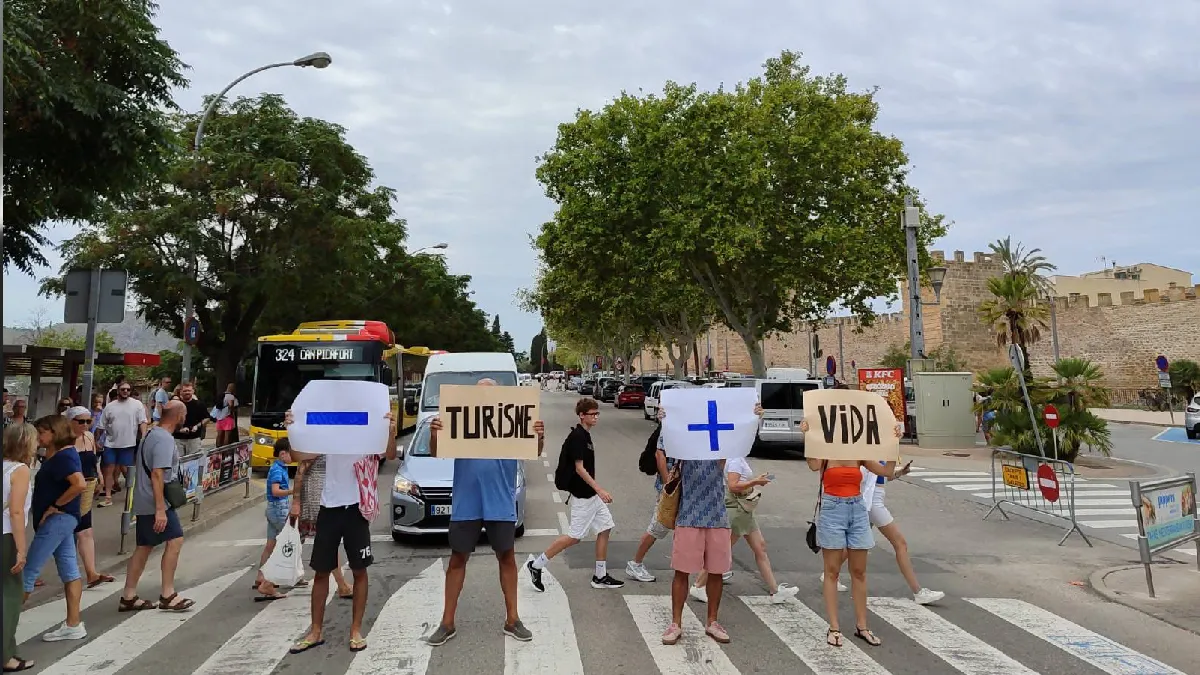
<point>1079,384</point>
<point>1014,313</point>
<point>1016,261</point>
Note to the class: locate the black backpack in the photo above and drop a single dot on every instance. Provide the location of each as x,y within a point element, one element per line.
<point>565,468</point>
<point>647,463</point>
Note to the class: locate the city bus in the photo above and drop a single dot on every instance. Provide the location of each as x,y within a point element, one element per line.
<point>317,350</point>
<point>411,362</point>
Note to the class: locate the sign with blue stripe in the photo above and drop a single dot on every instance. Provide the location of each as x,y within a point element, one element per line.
<point>341,417</point>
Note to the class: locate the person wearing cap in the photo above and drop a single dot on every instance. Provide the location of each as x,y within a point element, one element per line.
<point>85,444</point>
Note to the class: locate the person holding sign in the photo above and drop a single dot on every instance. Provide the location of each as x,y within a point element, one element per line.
<point>484,496</point>
<point>844,530</point>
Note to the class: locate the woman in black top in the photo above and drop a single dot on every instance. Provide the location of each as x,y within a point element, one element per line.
<point>85,445</point>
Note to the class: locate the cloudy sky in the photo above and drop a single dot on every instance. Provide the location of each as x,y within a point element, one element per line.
<point>1069,125</point>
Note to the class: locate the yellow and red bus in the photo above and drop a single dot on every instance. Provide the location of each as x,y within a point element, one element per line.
<point>326,350</point>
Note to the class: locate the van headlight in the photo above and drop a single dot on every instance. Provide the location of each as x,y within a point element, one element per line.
<point>405,486</point>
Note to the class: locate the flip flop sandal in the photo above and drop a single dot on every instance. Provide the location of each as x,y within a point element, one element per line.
<point>102,579</point>
<point>39,583</point>
<point>135,604</point>
<point>268,598</point>
<point>301,584</point>
<point>22,664</point>
<point>348,596</point>
<point>834,638</point>
<point>184,604</point>
<point>358,644</point>
<point>867,636</point>
<point>305,645</point>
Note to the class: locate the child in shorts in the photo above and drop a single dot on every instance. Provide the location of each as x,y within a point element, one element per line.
<point>279,493</point>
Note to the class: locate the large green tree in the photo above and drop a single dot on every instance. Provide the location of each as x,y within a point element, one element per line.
<point>87,87</point>
<point>775,200</point>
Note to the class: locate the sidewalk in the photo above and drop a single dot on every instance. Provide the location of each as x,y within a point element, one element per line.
<point>1176,585</point>
<point>1131,416</point>
<point>979,458</point>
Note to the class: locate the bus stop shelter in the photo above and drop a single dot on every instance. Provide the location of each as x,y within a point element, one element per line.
<point>38,363</point>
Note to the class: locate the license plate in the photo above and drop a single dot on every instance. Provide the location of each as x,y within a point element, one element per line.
<point>441,510</point>
<point>775,424</point>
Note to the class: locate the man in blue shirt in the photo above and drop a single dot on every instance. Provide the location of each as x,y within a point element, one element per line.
<point>484,496</point>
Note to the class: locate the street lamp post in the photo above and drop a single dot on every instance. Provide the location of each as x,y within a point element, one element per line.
<point>315,60</point>
<point>440,247</point>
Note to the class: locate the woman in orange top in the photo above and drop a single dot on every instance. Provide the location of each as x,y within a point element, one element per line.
<point>844,532</point>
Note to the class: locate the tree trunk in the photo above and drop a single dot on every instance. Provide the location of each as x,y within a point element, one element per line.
<point>678,360</point>
<point>758,361</point>
<point>696,354</point>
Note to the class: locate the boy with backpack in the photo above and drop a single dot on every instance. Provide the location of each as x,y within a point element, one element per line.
<point>576,474</point>
<point>652,462</point>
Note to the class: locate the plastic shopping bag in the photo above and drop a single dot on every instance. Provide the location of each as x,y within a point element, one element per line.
<point>286,565</point>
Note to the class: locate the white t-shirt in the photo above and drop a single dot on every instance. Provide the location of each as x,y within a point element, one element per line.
<point>740,466</point>
<point>120,420</point>
<point>341,484</point>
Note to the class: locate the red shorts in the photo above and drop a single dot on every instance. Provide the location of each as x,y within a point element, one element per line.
<point>699,550</point>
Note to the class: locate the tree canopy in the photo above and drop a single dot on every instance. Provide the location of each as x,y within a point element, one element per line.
<point>761,206</point>
<point>281,222</point>
<point>86,90</point>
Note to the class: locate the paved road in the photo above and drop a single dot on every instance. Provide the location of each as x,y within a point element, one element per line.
<point>1014,604</point>
<point>1156,445</point>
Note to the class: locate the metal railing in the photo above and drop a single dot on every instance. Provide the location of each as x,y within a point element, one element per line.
<point>203,473</point>
<point>1026,481</point>
<point>1166,518</point>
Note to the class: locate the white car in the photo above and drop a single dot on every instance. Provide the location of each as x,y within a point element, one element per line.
<point>1191,418</point>
<point>650,404</point>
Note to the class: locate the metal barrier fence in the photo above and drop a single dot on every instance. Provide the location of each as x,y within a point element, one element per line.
<point>203,473</point>
<point>1166,518</point>
<point>1042,485</point>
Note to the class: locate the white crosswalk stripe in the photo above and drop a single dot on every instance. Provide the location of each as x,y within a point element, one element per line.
<point>953,637</point>
<point>38,620</point>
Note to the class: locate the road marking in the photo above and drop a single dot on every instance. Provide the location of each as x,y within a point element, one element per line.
<point>922,473</point>
<point>1107,524</point>
<point>550,477</point>
<point>554,649</point>
<point>1082,497</point>
<point>37,620</point>
<point>375,538</point>
<point>413,611</point>
<point>262,643</point>
<point>1092,489</point>
<point>950,643</point>
<point>1102,502</point>
<point>556,497</point>
<point>1112,657</point>
<point>1186,551</point>
<point>959,479</point>
<point>1106,512</point>
<point>118,647</point>
<point>547,532</point>
<point>695,652</point>
<point>563,525</point>
<point>546,463</point>
<point>804,631</point>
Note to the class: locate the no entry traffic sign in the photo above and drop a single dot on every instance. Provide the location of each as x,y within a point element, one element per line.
<point>1161,363</point>
<point>1051,415</point>
<point>1047,482</point>
<point>831,366</point>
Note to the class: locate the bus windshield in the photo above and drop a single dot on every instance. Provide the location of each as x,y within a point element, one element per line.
<point>434,381</point>
<point>283,370</point>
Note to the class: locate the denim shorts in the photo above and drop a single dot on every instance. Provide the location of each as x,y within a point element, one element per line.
<point>277,515</point>
<point>843,523</point>
<point>56,537</point>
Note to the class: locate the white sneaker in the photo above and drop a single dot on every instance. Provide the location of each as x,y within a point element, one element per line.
<point>841,587</point>
<point>783,593</point>
<point>699,594</point>
<point>65,632</point>
<point>927,597</point>
<point>727,576</point>
<point>638,572</point>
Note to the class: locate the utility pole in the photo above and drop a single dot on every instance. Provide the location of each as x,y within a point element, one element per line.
<point>841,354</point>
<point>89,340</point>
<point>910,221</point>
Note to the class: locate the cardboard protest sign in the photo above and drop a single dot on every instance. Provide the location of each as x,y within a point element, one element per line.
<point>709,423</point>
<point>849,424</point>
<point>341,417</point>
<point>488,422</point>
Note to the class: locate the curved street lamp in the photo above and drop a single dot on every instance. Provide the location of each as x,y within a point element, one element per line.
<point>315,60</point>
<point>441,247</point>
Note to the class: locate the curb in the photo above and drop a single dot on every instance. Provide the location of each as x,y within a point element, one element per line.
<point>1145,424</point>
<point>1160,471</point>
<point>1096,580</point>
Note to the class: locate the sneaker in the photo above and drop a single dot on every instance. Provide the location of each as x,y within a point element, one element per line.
<point>841,587</point>
<point>65,632</point>
<point>638,572</point>
<point>717,632</point>
<point>727,576</point>
<point>672,634</point>
<point>518,631</point>
<point>441,636</point>
<point>698,593</point>
<point>927,597</point>
<point>535,576</point>
<point>783,593</point>
<point>606,581</point>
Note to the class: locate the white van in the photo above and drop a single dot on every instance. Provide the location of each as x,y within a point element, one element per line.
<point>650,402</point>
<point>783,409</point>
<point>463,368</point>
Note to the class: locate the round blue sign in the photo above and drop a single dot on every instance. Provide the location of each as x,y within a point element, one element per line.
<point>831,365</point>
<point>1161,362</point>
<point>191,331</point>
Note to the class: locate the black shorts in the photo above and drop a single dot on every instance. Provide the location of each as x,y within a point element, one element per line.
<point>343,525</point>
<point>464,534</point>
<point>146,536</point>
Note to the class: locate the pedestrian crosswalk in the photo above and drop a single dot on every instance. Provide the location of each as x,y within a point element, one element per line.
<point>1099,505</point>
<point>576,630</point>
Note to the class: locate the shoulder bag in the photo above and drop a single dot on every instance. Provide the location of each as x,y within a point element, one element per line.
<point>174,494</point>
<point>668,502</point>
<point>811,537</point>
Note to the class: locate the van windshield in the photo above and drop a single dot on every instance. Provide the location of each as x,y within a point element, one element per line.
<point>434,381</point>
<point>785,395</point>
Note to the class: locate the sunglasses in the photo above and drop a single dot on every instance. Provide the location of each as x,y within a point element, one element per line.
<point>79,421</point>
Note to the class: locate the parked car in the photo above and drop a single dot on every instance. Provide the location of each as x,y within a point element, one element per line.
<point>423,489</point>
<point>587,387</point>
<point>650,402</point>
<point>1191,418</point>
<point>609,391</point>
<point>630,396</point>
<point>783,410</point>
<point>573,383</point>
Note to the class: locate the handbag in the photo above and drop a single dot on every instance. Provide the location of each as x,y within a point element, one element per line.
<point>85,499</point>
<point>174,494</point>
<point>668,502</point>
<point>810,537</point>
<point>748,501</point>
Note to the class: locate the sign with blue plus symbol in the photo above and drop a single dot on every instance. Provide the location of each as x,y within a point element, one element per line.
<point>708,424</point>
<point>713,427</point>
